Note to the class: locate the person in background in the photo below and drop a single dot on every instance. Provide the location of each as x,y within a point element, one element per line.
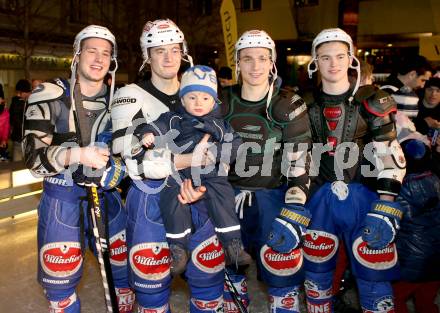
<point>225,76</point>
<point>35,83</point>
<point>16,110</point>
<point>418,240</point>
<point>429,108</point>
<point>411,75</point>
<point>4,130</point>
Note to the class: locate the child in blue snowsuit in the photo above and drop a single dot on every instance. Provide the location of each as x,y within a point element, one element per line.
<point>199,115</point>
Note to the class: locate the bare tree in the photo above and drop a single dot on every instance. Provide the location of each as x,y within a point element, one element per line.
<point>31,26</point>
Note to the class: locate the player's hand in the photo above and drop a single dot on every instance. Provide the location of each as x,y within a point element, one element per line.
<point>189,194</point>
<point>148,140</point>
<point>94,157</point>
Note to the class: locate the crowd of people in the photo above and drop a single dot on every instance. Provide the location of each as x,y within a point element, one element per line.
<point>222,173</point>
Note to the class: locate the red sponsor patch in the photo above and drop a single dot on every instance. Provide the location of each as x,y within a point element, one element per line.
<point>151,260</point>
<point>281,264</point>
<point>331,113</point>
<point>61,259</point>
<point>118,249</point>
<point>288,303</point>
<point>375,259</point>
<point>163,26</point>
<point>312,294</point>
<point>211,305</point>
<point>208,256</point>
<point>64,303</point>
<point>320,246</point>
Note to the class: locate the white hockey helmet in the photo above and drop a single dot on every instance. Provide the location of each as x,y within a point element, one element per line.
<point>161,32</point>
<point>93,31</point>
<point>329,35</point>
<point>257,39</point>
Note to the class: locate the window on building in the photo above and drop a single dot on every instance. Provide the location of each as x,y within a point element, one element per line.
<point>306,3</point>
<point>78,11</point>
<point>204,7</point>
<point>250,5</point>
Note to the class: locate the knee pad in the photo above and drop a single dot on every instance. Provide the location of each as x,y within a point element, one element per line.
<point>125,298</point>
<point>239,283</point>
<point>284,300</point>
<point>59,302</point>
<point>318,287</point>
<point>153,302</point>
<point>375,297</point>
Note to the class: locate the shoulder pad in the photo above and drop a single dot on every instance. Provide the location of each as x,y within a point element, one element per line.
<point>365,92</point>
<point>379,103</point>
<point>308,97</point>
<point>128,94</point>
<point>287,106</point>
<point>125,105</point>
<point>46,92</point>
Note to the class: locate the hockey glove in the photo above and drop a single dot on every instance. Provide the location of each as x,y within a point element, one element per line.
<point>107,178</point>
<point>113,174</point>
<point>382,223</point>
<point>289,228</point>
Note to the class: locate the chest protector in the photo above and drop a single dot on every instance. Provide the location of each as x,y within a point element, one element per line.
<point>335,120</point>
<point>93,115</point>
<point>261,132</point>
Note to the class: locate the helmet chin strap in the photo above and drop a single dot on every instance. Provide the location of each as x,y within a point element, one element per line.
<point>357,67</point>
<point>274,74</point>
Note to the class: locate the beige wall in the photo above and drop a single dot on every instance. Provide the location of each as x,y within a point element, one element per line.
<point>380,17</point>
<point>275,18</point>
<point>313,19</point>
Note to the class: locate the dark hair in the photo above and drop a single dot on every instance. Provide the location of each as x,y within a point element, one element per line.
<point>225,72</point>
<point>416,63</point>
<point>23,85</point>
<point>433,81</point>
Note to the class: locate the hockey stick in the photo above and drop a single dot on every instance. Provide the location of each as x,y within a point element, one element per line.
<point>99,227</point>
<point>235,294</point>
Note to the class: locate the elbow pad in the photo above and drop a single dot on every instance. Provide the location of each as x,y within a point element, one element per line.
<point>393,169</point>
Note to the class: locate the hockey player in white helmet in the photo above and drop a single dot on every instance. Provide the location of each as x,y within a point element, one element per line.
<point>67,128</point>
<point>356,125</point>
<point>163,47</point>
<point>271,182</point>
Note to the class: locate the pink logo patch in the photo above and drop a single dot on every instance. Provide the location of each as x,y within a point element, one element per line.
<point>151,260</point>
<point>281,264</point>
<point>118,249</point>
<point>61,259</point>
<point>163,26</point>
<point>375,259</point>
<point>208,256</point>
<point>320,246</point>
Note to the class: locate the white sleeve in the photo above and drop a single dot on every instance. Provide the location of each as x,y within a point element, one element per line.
<point>131,107</point>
